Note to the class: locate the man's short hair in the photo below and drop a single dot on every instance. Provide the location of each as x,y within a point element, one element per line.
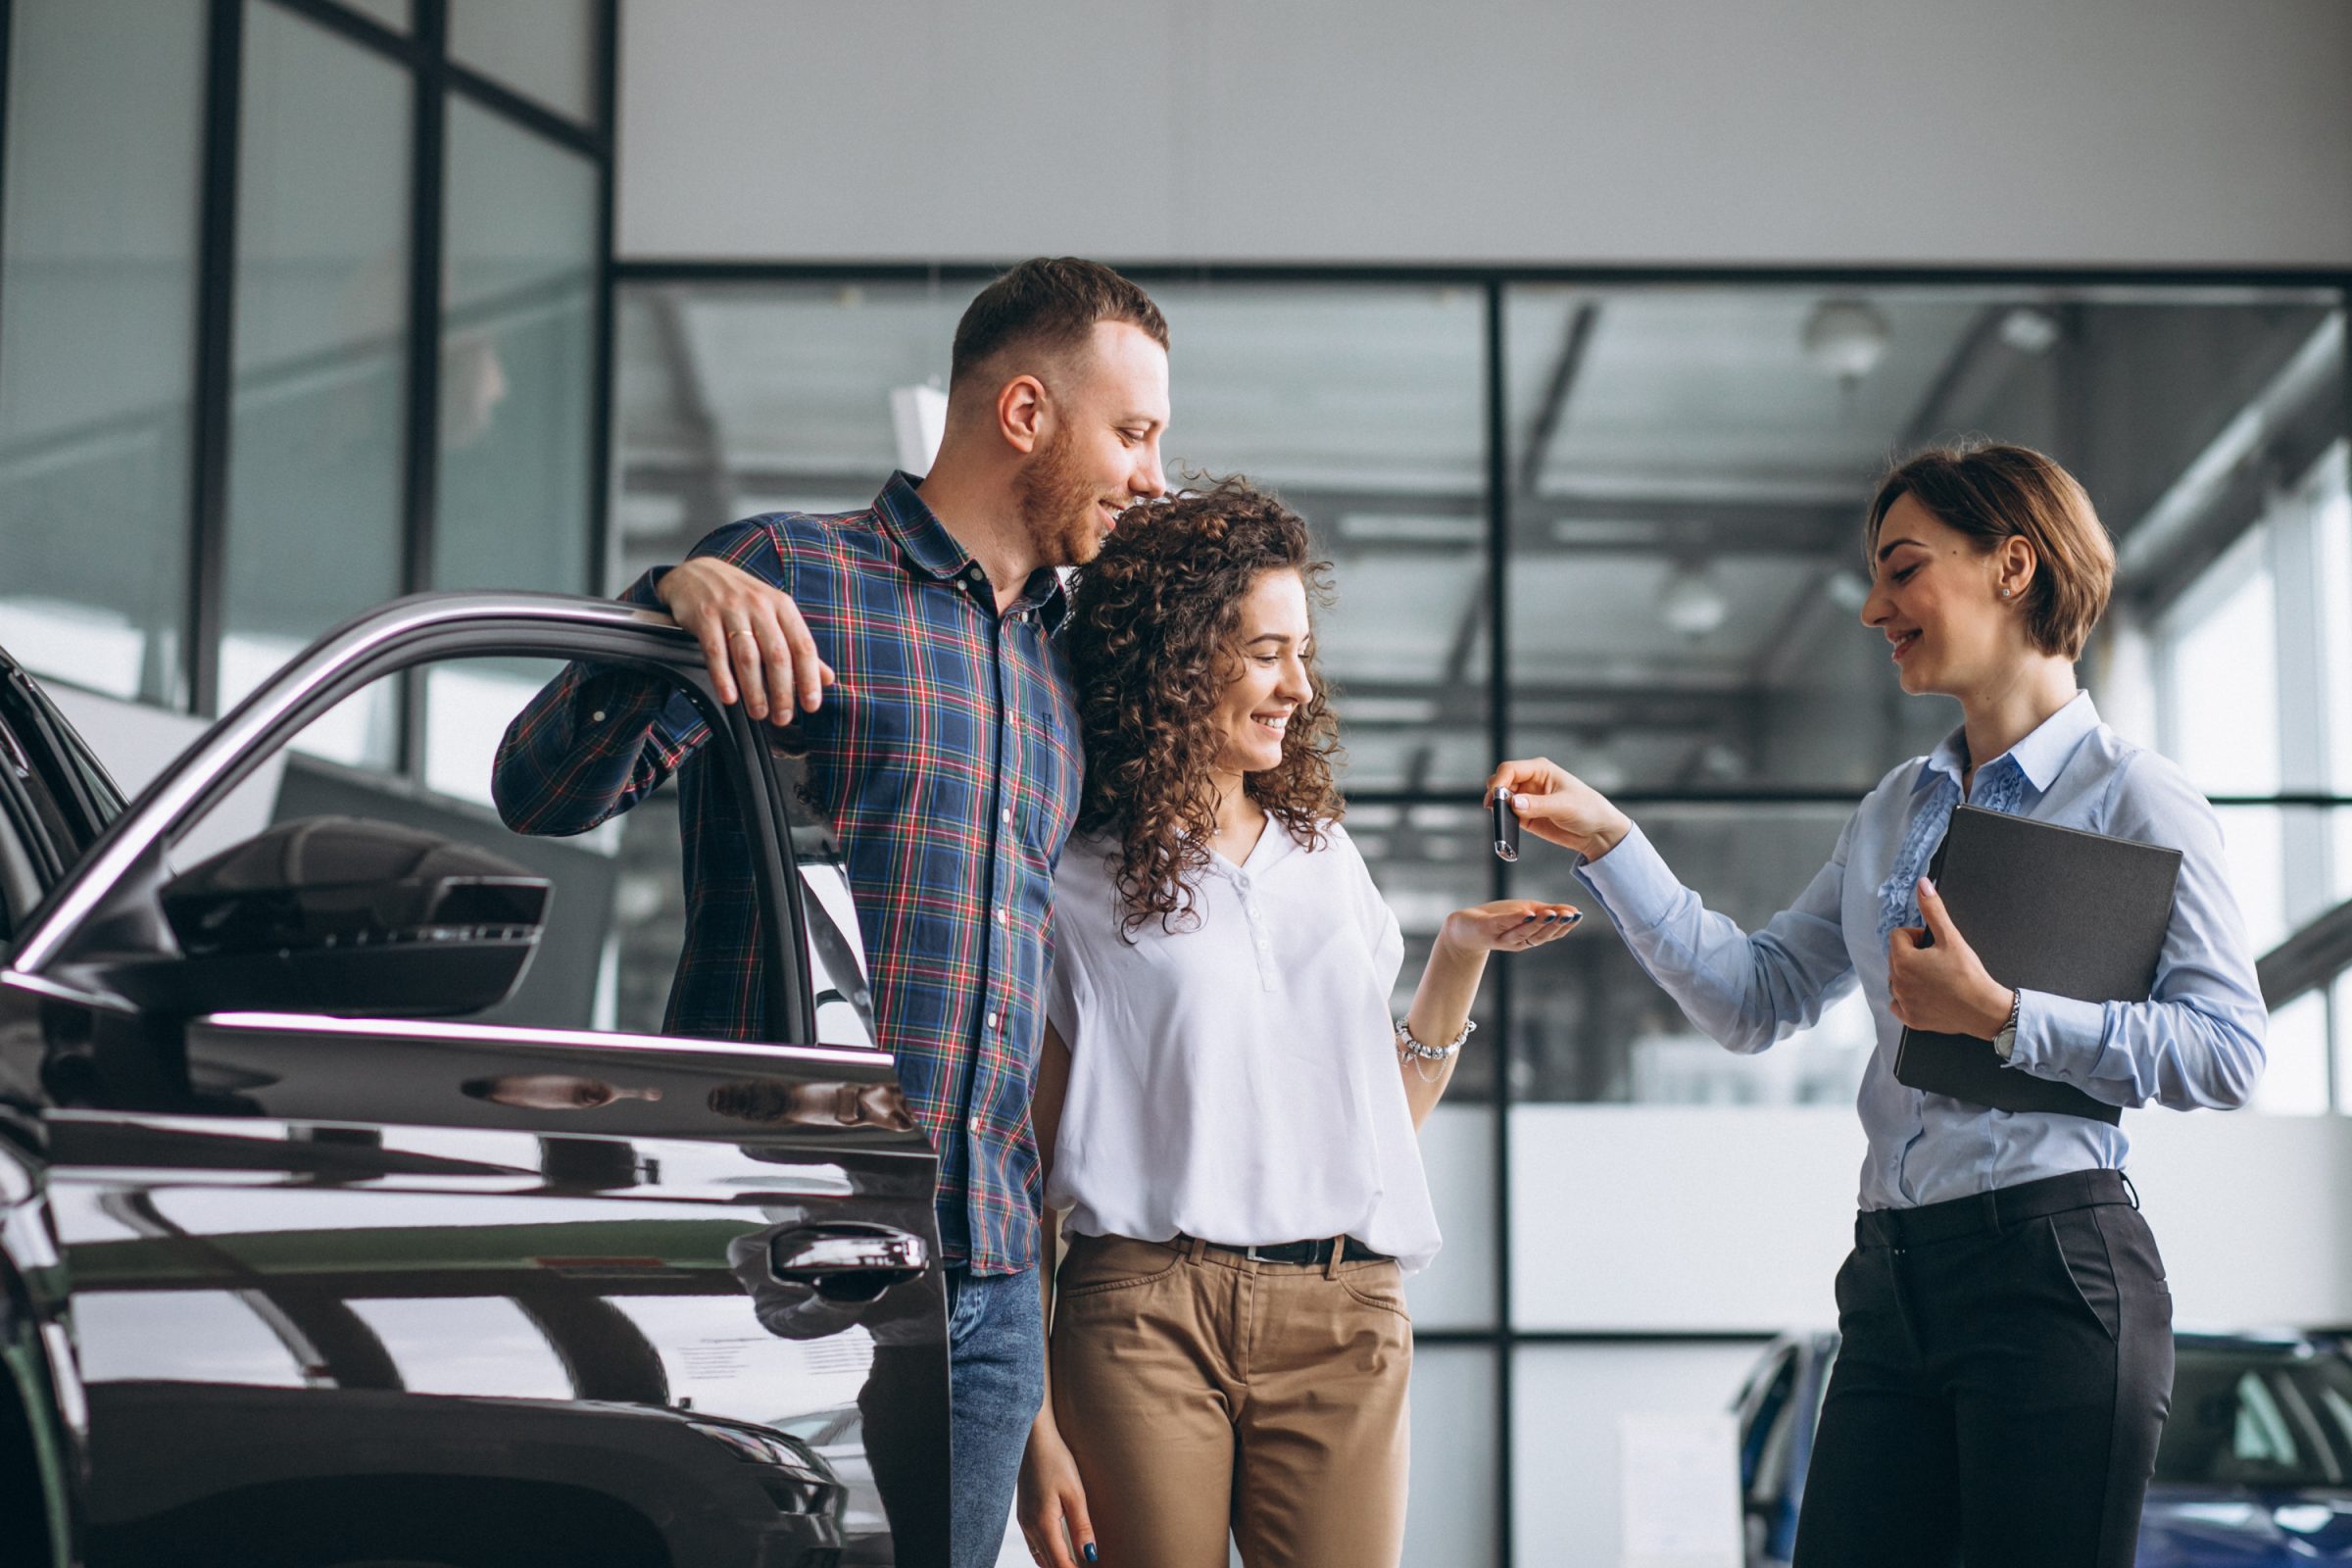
<point>1991,491</point>
<point>1048,305</point>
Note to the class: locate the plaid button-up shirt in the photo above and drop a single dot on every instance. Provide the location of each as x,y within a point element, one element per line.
<point>947,757</point>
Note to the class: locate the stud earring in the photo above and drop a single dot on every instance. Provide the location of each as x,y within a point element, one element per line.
<point>2004,593</point>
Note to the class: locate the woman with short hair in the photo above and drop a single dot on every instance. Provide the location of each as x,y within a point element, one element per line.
<point>1225,1111</point>
<point>2006,1355</point>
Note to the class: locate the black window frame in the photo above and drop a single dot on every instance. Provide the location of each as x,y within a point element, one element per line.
<point>1504,1338</point>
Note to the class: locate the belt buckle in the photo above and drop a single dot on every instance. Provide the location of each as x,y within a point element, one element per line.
<point>1251,1253</point>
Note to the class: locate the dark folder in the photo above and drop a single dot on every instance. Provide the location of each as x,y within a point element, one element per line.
<point>2047,908</point>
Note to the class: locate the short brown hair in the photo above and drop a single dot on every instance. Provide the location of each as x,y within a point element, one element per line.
<point>1051,304</point>
<point>1991,492</point>
<point>1150,635</point>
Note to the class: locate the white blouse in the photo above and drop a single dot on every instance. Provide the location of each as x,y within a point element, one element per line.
<point>1236,1079</point>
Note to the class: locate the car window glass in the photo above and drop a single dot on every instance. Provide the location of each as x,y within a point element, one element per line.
<point>19,877</point>
<point>2311,1439</point>
<point>2261,1437</point>
<point>2258,1418</point>
<point>47,820</point>
<point>615,919</point>
<point>2339,1412</point>
<point>1766,1456</point>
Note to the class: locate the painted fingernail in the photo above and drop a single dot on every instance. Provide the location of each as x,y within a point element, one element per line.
<point>1090,1551</point>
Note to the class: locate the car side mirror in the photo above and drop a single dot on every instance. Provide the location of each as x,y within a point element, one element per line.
<point>350,916</point>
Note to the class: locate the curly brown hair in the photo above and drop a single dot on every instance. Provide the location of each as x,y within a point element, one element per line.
<point>1152,638</point>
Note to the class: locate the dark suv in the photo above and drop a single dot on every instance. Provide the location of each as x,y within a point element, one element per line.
<point>2255,1469</point>
<point>355,1208</point>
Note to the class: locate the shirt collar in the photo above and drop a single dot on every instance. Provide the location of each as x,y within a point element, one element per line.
<point>2040,756</point>
<point>925,541</point>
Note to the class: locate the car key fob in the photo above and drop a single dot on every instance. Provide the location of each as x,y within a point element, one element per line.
<point>1506,826</point>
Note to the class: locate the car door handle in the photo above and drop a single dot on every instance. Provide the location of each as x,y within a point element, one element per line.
<point>848,1262</point>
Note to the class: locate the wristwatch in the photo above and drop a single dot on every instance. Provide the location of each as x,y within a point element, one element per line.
<point>2006,1041</point>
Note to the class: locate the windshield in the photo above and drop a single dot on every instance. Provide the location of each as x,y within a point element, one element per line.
<point>2261,1419</point>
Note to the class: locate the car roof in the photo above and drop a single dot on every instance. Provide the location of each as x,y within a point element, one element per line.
<point>2258,1342</point>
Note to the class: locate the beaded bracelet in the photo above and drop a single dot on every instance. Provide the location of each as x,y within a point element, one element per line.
<point>1410,1049</point>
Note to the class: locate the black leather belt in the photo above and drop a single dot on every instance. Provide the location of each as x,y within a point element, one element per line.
<point>1316,1253</point>
<point>1990,1214</point>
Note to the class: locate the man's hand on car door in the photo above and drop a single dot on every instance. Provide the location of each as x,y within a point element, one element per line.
<point>753,635</point>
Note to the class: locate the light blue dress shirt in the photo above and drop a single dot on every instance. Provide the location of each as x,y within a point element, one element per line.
<point>2198,1040</point>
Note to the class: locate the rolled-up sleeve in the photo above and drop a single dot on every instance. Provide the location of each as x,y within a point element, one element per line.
<point>2197,1041</point>
<point>1744,991</point>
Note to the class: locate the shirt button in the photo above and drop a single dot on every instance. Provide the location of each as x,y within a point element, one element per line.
<point>992,1020</point>
<point>597,717</point>
<point>973,1123</point>
<point>1000,917</point>
<point>1008,815</point>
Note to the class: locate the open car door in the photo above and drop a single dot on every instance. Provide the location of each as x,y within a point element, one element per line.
<point>390,1227</point>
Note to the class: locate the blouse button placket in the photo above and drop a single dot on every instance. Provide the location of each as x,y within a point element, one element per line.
<point>1262,937</point>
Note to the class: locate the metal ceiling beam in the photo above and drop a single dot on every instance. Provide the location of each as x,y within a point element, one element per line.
<point>1543,704</point>
<point>1644,524</point>
<point>1961,382</point>
<point>1469,634</point>
<point>702,485</point>
<point>2310,959</point>
<point>1545,428</point>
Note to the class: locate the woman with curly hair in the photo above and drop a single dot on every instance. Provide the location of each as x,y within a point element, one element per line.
<point>1225,1111</point>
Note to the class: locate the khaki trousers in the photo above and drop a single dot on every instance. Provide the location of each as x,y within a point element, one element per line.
<point>1203,1394</point>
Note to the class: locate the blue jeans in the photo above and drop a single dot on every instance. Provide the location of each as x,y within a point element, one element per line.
<point>997,1380</point>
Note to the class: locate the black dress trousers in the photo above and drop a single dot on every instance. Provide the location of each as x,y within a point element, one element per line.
<point>2005,1371</point>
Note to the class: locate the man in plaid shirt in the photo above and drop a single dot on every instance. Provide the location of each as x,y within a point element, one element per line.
<point>947,756</point>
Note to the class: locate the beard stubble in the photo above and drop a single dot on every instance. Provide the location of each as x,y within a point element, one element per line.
<point>1057,502</point>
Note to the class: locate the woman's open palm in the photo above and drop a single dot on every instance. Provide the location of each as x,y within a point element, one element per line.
<point>1509,925</point>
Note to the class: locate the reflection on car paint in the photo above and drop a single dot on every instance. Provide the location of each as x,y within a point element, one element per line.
<point>313,1290</point>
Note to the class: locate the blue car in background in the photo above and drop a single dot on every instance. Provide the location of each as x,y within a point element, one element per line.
<point>2255,1468</point>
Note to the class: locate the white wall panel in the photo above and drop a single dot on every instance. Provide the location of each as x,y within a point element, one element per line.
<point>1568,1401</point>
<point>2124,131</point>
<point>1634,1217</point>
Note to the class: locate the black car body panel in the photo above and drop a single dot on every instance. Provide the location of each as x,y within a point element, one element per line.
<point>311,1288</point>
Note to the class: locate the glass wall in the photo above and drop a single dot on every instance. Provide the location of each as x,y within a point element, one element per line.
<point>316,463</point>
<point>97,339</point>
<point>543,49</point>
<point>518,360</point>
<point>1672,480</point>
<point>301,309</point>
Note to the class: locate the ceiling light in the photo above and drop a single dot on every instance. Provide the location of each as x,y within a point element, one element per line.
<point>1845,338</point>
<point>1691,602</point>
<point>2029,330</point>
<point>1400,527</point>
<point>1847,590</point>
<point>1412,712</point>
<point>1595,532</point>
<point>1599,770</point>
<point>1722,762</point>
